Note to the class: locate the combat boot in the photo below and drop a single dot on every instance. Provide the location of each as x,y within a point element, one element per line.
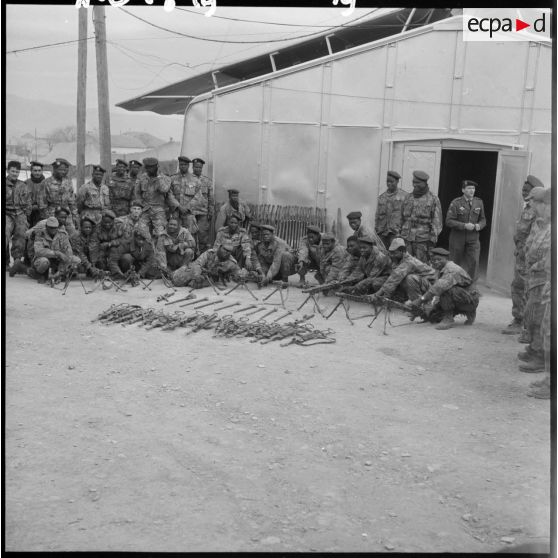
<point>32,273</point>
<point>542,391</point>
<point>471,316</point>
<point>446,323</point>
<point>527,355</point>
<point>17,267</point>
<point>534,366</point>
<point>513,328</point>
<point>524,337</point>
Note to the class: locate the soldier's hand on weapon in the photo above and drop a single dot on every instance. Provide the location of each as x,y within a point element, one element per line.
<point>95,272</point>
<point>265,281</point>
<point>62,257</point>
<point>414,304</point>
<point>249,265</point>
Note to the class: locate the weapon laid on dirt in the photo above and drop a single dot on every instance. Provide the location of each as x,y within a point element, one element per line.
<point>165,296</point>
<point>249,307</point>
<point>203,323</point>
<point>119,314</point>
<point>254,312</point>
<point>208,303</point>
<point>194,302</point>
<point>279,286</point>
<point>226,306</point>
<point>113,309</point>
<point>287,313</point>
<point>189,297</point>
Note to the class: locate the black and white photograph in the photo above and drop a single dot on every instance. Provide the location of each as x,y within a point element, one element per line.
<point>279,278</point>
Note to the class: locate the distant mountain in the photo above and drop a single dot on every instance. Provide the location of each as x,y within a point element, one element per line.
<point>148,140</point>
<point>25,115</point>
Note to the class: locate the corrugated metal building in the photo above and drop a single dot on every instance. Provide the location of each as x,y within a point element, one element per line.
<point>324,131</point>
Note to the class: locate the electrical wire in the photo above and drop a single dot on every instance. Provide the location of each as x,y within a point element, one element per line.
<point>48,45</point>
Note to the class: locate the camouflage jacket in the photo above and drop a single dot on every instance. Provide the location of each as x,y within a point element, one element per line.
<point>17,198</point>
<point>143,255</point>
<point>331,263</point>
<point>421,218</point>
<point>45,245</point>
<point>537,250</point>
<point>351,263</point>
<point>203,202</point>
<point>81,247</point>
<point>377,265</point>
<point>172,244</point>
<point>388,212</point>
<point>307,252</point>
<point>155,191</point>
<point>129,226</point>
<point>239,238</point>
<point>209,263</point>
<point>90,196</point>
<point>121,189</point>
<point>227,210</point>
<point>269,256</point>
<point>183,189</point>
<point>106,241</point>
<point>449,276</point>
<point>406,266</point>
<point>33,188</point>
<point>57,193</point>
<point>523,227</point>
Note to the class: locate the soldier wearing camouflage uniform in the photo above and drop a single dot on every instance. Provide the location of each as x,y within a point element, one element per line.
<point>352,258</point>
<point>360,230</point>
<point>388,212</point>
<point>308,252</point>
<point>175,247</point>
<point>138,254</point>
<point>203,204</point>
<point>275,260</point>
<point>522,230</point>
<point>105,244</point>
<point>183,189</point>
<point>233,206</point>
<point>17,208</point>
<point>93,197</point>
<point>132,221</point>
<point>81,246</point>
<point>121,189</point>
<point>33,187</point>
<point>421,218</point>
<point>332,259</point>
<point>234,234</point>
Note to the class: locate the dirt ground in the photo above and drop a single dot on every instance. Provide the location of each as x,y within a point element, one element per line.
<point>122,439</point>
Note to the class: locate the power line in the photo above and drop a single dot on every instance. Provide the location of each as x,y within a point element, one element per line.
<point>173,32</point>
<point>48,45</point>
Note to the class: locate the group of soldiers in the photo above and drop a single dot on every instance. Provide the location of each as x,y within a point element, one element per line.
<point>142,221</point>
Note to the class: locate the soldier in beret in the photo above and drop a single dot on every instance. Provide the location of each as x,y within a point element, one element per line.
<point>121,189</point>
<point>175,246</point>
<point>236,235</point>
<point>360,230</point>
<point>274,259</point>
<point>465,218</point>
<point>17,208</point>
<point>233,205</point>
<point>308,253</point>
<point>33,184</point>
<point>153,190</point>
<point>134,168</point>
<point>94,197</point>
<point>388,212</point>
<point>331,259</point>
<point>522,229</point>
<point>183,189</point>
<point>421,218</point>
<point>81,246</point>
<point>105,245</point>
<point>455,290</point>
<point>352,257</point>
<point>203,204</point>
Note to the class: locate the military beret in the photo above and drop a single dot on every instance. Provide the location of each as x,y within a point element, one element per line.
<point>393,173</point>
<point>314,229</point>
<point>534,181</point>
<point>538,194</point>
<point>328,236</point>
<point>36,164</point>
<point>466,183</point>
<point>396,243</point>
<point>421,175</point>
<point>52,222</point>
<point>228,246</point>
<point>184,159</point>
<point>198,160</point>
<point>268,228</point>
<point>236,215</point>
<point>61,161</point>
<point>366,240</point>
<point>354,215</point>
<point>134,162</point>
<point>137,203</point>
<point>150,162</point>
<point>109,213</point>
<point>233,191</point>
<point>86,218</point>
<point>15,164</point>
<point>255,225</point>
<point>440,252</point>
<point>59,210</point>
<point>353,238</point>
<point>121,162</point>
<point>98,168</point>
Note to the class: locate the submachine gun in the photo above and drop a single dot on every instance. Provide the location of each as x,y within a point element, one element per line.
<point>313,291</point>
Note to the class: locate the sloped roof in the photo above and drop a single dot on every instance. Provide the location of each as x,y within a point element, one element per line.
<point>166,152</point>
<point>174,98</point>
<point>68,150</point>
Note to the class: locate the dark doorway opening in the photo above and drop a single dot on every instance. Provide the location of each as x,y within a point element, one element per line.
<point>457,165</point>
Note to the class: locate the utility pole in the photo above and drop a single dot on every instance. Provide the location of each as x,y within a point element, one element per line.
<point>102,86</point>
<point>81,95</point>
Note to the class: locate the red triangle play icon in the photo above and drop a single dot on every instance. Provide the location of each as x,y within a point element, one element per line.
<point>519,25</point>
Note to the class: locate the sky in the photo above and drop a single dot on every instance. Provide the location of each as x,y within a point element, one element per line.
<point>140,57</point>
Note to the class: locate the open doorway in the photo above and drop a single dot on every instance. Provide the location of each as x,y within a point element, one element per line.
<point>457,165</point>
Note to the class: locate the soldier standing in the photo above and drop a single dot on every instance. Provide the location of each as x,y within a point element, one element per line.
<point>202,205</point>
<point>233,205</point>
<point>121,189</point>
<point>421,218</point>
<point>388,212</point>
<point>93,197</point>
<point>183,190</point>
<point>466,218</point>
<point>33,187</point>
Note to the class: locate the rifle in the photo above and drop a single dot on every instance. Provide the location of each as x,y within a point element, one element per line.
<point>112,310</point>
<point>328,286</point>
<point>241,282</point>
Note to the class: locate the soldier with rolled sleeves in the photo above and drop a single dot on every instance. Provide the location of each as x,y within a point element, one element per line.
<point>138,254</point>
<point>454,289</point>
<point>58,191</point>
<point>17,208</point>
<point>94,197</point>
<point>537,250</point>
<point>331,259</point>
<point>275,261</point>
<point>352,258</point>
<point>175,247</point>
<point>522,229</point>
<point>234,234</point>
<point>33,184</point>
<point>52,252</point>
<point>217,263</point>
<point>466,218</point>
<point>372,271</point>
<point>233,205</point>
<point>183,189</point>
<point>154,191</point>
<point>133,221</point>
<point>409,277</point>
<point>360,230</point>
<point>121,189</point>
<point>81,246</point>
<point>388,212</point>
<point>421,214</point>
<point>106,242</point>
<point>308,252</point>
<point>203,204</point>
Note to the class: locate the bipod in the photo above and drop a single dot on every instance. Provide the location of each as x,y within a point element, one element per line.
<point>242,284</point>
<point>212,283</point>
<point>387,317</point>
<point>311,296</point>
<point>111,282</point>
<point>341,302</point>
<point>279,286</point>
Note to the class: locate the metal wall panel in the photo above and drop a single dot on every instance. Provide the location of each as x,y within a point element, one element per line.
<point>542,115</point>
<point>243,104</point>
<point>541,157</point>
<point>297,97</point>
<point>293,172</point>
<point>493,83</point>
<point>236,159</point>
<point>421,157</point>
<point>423,81</point>
<point>194,139</point>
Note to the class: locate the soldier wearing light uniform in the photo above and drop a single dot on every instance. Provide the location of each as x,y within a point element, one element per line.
<point>421,218</point>
<point>121,189</point>
<point>93,197</point>
<point>388,212</point>
<point>203,204</point>
<point>466,218</point>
